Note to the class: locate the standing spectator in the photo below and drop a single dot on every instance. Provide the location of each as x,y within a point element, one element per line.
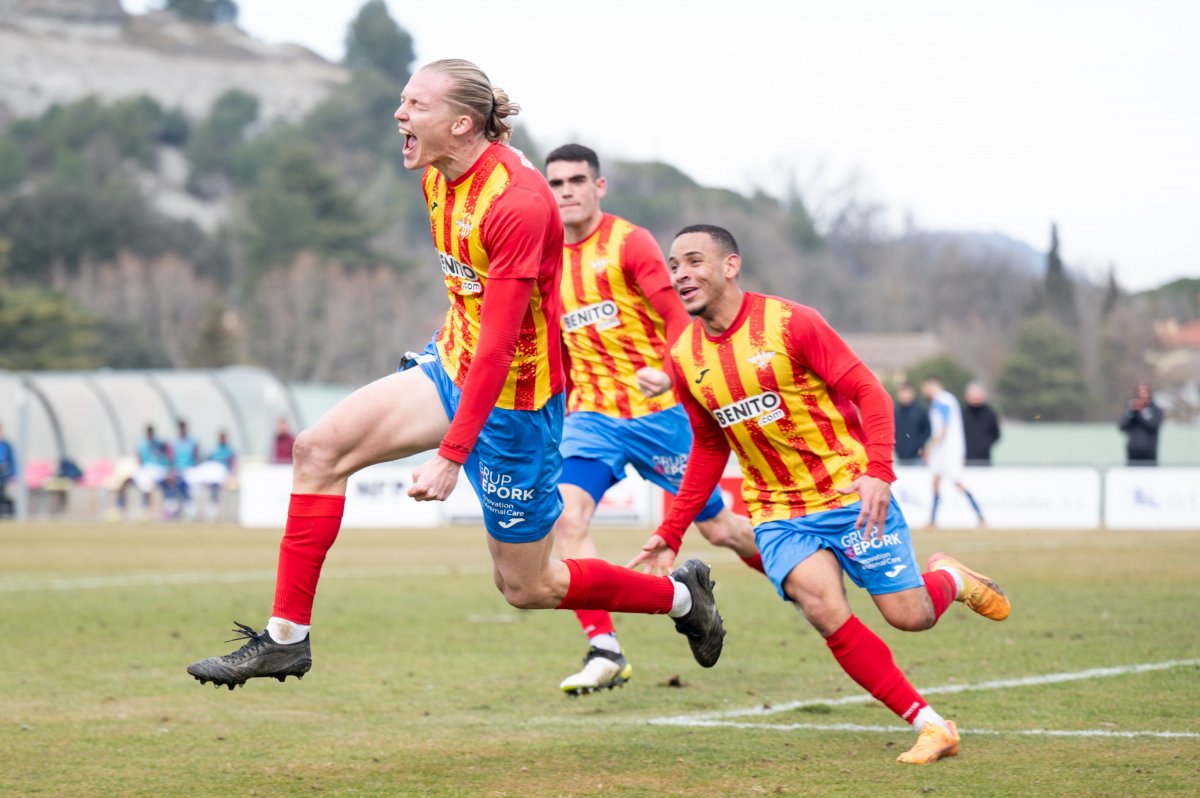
<point>947,450</point>
<point>1140,423</point>
<point>284,441</point>
<point>980,425</point>
<point>912,426</point>
<point>8,470</point>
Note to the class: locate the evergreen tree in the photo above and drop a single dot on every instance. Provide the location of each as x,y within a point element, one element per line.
<point>1112,293</point>
<point>13,168</point>
<point>953,375</point>
<point>298,205</point>
<point>42,329</point>
<point>358,116</point>
<point>215,343</point>
<point>128,345</point>
<point>211,145</point>
<point>1042,379</point>
<point>211,12</point>
<point>1059,293</point>
<point>375,41</point>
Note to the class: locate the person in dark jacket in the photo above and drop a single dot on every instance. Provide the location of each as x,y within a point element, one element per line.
<point>980,425</point>
<point>912,426</point>
<point>1140,423</point>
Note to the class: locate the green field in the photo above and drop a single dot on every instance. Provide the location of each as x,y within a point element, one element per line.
<point>426,683</point>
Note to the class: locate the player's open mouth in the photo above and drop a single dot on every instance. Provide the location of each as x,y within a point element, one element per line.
<point>689,291</point>
<point>410,142</point>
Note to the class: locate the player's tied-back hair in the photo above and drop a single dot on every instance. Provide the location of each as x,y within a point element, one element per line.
<point>488,105</point>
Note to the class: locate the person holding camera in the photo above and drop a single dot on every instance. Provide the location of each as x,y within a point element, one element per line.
<point>1140,424</point>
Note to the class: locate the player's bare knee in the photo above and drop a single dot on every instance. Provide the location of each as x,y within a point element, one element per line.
<point>718,534</point>
<point>908,611</point>
<point>912,620</point>
<point>825,614</point>
<point>314,454</point>
<point>527,597</point>
<point>571,528</point>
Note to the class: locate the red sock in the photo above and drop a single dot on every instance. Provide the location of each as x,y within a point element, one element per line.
<point>942,590</point>
<point>868,661</point>
<point>600,585</point>
<point>755,562</point>
<point>312,526</point>
<point>595,622</point>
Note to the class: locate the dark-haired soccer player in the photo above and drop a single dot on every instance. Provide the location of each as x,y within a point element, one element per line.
<point>486,395</point>
<point>813,430</point>
<point>619,314</point>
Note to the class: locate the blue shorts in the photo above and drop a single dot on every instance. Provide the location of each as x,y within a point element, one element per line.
<point>597,448</point>
<point>515,465</point>
<point>887,567</point>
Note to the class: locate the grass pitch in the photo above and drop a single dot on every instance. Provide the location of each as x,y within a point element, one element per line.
<point>425,683</point>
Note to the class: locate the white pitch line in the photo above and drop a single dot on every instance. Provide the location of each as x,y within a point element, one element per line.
<point>17,584</point>
<point>863,698</point>
<point>855,727</point>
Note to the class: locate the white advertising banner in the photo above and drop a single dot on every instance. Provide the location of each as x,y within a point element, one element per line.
<point>1152,498</point>
<point>1010,498</point>
<point>376,497</point>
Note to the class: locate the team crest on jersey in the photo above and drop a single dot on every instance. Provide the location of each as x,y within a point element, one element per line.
<point>760,359</point>
<point>464,227</point>
<point>599,264</point>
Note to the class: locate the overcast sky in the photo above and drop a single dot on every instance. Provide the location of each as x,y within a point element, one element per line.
<point>988,116</point>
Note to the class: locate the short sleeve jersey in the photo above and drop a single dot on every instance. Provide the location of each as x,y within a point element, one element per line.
<point>609,327</point>
<point>765,382</point>
<point>945,418</point>
<point>499,220</point>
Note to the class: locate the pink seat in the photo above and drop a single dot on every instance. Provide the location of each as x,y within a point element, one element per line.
<point>37,472</point>
<point>97,474</point>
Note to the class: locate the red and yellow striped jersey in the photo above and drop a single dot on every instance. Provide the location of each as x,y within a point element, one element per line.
<point>765,385</point>
<point>609,327</point>
<point>499,220</point>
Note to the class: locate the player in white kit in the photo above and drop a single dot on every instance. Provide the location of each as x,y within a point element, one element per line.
<point>946,450</point>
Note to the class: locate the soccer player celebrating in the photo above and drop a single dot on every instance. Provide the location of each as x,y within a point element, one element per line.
<point>770,379</point>
<point>487,394</point>
<point>618,315</point>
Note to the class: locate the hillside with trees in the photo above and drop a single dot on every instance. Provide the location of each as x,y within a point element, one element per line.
<point>135,233</point>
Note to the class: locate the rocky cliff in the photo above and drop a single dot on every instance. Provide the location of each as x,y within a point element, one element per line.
<point>58,51</point>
